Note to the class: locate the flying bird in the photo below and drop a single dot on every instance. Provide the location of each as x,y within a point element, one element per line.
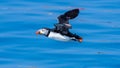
<point>61,29</point>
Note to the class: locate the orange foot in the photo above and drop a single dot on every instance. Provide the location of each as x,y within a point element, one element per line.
<point>80,39</point>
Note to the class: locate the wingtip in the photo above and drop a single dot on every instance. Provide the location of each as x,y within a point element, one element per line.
<point>78,9</point>
<point>81,8</point>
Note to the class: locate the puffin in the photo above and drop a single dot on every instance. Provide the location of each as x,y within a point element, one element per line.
<point>61,29</point>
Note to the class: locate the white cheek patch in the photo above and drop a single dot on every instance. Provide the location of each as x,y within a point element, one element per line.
<point>41,32</point>
<point>44,31</point>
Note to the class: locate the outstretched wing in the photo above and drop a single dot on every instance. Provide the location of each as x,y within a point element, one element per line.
<point>71,14</point>
<point>63,25</point>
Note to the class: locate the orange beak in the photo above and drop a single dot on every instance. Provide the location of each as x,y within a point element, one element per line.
<point>37,32</point>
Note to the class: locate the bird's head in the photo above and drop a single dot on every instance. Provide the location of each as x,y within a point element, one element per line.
<point>42,31</point>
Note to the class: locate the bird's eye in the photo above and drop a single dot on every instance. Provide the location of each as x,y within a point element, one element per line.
<point>43,30</point>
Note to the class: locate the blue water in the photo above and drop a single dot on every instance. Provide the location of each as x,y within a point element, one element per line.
<point>98,24</point>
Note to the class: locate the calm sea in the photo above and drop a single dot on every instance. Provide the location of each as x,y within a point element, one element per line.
<point>98,24</point>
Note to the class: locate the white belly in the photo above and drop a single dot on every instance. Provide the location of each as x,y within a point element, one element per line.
<point>58,36</point>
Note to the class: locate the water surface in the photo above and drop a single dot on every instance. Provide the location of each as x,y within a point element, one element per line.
<point>98,24</point>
